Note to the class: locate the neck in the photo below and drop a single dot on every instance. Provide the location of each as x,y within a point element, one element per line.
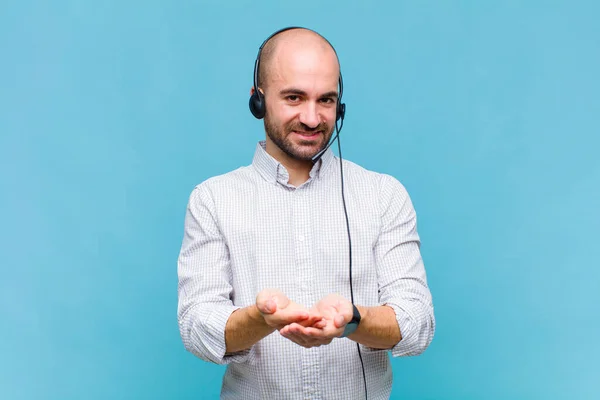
<point>298,170</point>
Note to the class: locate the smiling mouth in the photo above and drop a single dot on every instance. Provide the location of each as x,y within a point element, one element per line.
<point>307,134</point>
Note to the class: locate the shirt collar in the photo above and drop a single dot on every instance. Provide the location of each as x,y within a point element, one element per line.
<point>273,171</point>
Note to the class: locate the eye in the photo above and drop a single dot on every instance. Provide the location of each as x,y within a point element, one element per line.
<point>327,100</point>
<point>293,98</point>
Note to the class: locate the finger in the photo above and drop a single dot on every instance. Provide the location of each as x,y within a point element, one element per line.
<point>298,332</point>
<point>263,309</point>
<point>280,323</point>
<point>308,341</point>
<point>311,320</point>
<point>319,324</point>
<point>291,329</point>
<point>265,303</point>
<point>348,309</point>
<point>298,339</point>
<point>327,333</point>
<point>285,330</point>
<point>316,313</point>
<point>294,328</point>
<point>339,321</point>
<point>270,306</point>
<point>281,300</point>
<point>306,337</point>
<point>289,317</point>
<point>309,332</point>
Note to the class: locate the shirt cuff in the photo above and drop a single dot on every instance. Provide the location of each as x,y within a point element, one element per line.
<point>409,343</point>
<point>209,337</point>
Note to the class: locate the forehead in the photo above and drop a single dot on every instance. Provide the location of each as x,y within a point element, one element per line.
<point>310,68</point>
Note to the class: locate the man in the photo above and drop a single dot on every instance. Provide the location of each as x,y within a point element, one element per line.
<point>264,282</point>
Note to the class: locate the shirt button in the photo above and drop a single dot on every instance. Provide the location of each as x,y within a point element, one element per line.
<point>301,238</point>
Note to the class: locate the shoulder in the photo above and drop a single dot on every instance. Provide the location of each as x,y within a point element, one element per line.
<point>227,184</point>
<point>381,191</point>
<point>384,184</point>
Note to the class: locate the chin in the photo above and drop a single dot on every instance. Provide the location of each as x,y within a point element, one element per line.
<point>306,152</point>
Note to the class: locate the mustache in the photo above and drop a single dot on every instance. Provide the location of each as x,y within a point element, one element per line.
<point>299,126</point>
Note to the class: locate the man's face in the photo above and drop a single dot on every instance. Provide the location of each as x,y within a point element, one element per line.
<point>301,98</point>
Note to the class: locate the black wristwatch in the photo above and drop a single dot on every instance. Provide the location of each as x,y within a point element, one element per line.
<point>353,324</point>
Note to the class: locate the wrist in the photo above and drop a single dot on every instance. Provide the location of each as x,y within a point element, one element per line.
<point>256,317</point>
<point>354,322</point>
<point>364,312</point>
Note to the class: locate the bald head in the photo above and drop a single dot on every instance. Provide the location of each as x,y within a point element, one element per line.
<point>289,45</point>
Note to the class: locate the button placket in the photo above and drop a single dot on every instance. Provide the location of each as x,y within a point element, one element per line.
<point>303,249</point>
<point>302,245</point>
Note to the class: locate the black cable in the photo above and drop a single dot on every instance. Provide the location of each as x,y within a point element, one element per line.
<point>349,247</point>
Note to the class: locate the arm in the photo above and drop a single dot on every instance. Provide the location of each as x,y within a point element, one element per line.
<point>244,328</point>
<point>204,287</point>
<point>401,272</point>
<point>378,328</point>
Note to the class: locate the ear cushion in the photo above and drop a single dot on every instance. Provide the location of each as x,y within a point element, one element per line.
<point>257,106</point>
<point>341,111</point>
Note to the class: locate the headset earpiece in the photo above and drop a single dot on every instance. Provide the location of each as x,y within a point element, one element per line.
<point>341,111</point>
<point>257,105</point>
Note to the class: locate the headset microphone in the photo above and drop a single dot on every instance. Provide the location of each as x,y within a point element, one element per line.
<point>317,156</point>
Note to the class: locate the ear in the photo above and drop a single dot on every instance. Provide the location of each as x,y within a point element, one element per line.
<point>252,90</point>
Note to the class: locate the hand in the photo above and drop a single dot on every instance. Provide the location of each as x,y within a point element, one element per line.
<point>279,311</point>
<point>336,312</point>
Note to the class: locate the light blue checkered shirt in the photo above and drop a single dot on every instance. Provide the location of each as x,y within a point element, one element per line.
<point>249,229</point>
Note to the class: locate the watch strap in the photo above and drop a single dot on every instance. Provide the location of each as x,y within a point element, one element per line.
<point>353,324</point>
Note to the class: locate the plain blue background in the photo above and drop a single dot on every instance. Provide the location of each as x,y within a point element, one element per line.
<point>111,112</point>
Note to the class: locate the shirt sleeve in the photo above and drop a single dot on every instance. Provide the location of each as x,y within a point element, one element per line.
<point>204,283</point>
<point>402,278</point>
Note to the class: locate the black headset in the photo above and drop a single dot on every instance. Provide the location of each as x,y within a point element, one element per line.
<point>257,100</point>
<point>258,109</point>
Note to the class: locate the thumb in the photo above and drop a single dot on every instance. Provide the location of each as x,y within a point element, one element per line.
<point>270,306</point>
<point>280,300</point>
<point>339,321</point>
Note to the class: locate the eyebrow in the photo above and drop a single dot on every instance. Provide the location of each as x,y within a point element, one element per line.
<point>333,94</point>
<point>299,92</point>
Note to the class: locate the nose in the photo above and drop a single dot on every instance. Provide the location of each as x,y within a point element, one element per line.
<point>310,115</point>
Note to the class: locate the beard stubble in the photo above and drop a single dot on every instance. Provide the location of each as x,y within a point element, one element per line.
<point>280,137</point>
